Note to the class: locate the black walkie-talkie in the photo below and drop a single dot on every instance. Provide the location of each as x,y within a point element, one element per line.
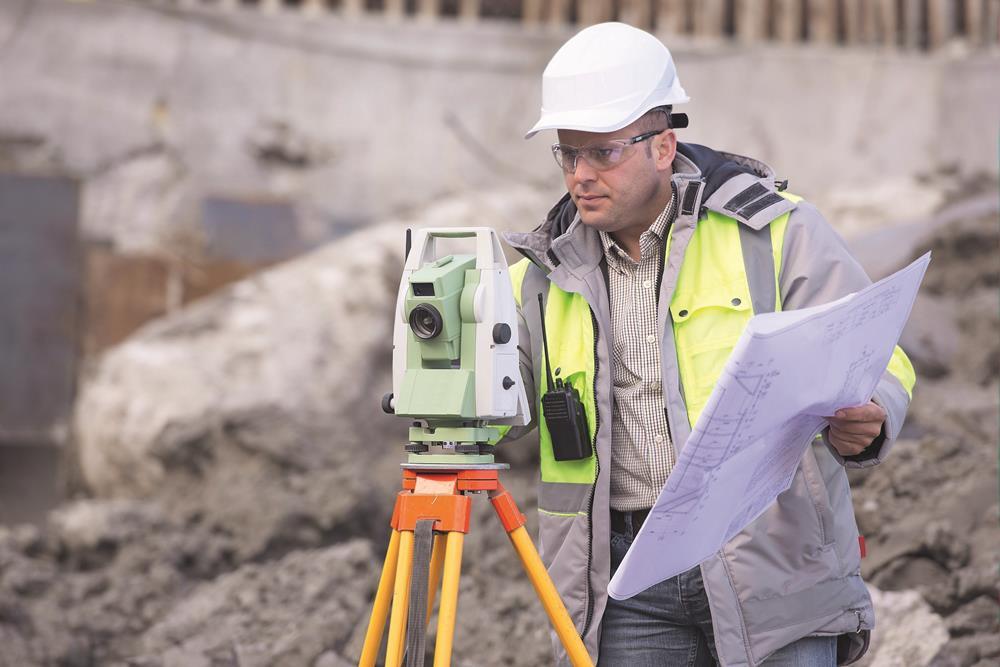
<point>565,417</point>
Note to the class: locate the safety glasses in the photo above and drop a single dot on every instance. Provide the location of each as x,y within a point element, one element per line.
<point>602,155</point>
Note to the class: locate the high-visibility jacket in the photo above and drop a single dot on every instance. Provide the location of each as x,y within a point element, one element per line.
<point>737,247</point>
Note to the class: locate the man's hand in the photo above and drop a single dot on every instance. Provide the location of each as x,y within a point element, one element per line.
<point>853,429</point>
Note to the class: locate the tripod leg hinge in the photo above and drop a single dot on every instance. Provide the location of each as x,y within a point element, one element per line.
<point>506,509</point>
<point>450,513</point>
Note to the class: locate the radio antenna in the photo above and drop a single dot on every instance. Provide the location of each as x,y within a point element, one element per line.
<point>545,343</point>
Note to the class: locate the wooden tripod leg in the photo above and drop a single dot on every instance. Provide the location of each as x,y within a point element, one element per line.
<point>513,523</point>
<point>380,608</point>
<point>449,599</point>
<point>400,601</point>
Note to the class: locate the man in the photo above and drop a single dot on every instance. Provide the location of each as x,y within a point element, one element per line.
<point>647,272</point>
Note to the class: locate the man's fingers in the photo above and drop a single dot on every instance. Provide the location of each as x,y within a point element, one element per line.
<point>861,413</point>
<point>853,429</point>
<point>848,445</point>
<point>850,450</point>
<point>852,438</point>
<point>870,429</point>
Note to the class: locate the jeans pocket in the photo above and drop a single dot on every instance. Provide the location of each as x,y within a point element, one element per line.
<point>619,547</point>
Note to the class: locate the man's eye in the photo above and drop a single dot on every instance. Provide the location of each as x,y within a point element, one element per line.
<point>605,153</point>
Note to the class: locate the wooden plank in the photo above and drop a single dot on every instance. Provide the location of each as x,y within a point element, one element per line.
<point>910,22</point>
<point>974,21</point>
<point>868,22</point>
<point>670,16</point>
<point>637,13</point>
<point>394,9</point>
<point>313,7</point>
<point>822,21</point>
<point>708,19</point>
<point>888,23</point>
<point>789,20</point>
<point>751,20</point>
<point>593,11</point>
<point>992,22</point>
<point>940,22</point>
<point>468,10</point>
<point>428,10</point>
<point>199,280</point>
<point>854,26</point>
<point>531,12</point>
<point>41,271</point>
<point>352,8</point>
<point>122,293</point>
<point>558,12</point>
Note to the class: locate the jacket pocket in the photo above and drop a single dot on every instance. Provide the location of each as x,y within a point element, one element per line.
<point>563,541</point>
<point>787,549</point>
<point>707,325</point>
<point>820,498</point>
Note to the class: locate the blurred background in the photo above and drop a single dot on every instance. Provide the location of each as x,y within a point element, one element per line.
<point>202,207</point>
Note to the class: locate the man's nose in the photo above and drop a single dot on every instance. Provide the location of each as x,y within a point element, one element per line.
<point>583,172</point>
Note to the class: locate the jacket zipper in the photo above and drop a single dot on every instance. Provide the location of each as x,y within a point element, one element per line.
<point>593,488</point>
<point>663,244</point>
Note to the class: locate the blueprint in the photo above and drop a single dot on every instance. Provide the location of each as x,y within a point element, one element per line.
<point>788,371</point>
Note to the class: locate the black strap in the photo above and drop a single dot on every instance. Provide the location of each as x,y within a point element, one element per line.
<point>758,205</point>
<point>745,197</point>
<point>416,620</point>
<point>690,199</point>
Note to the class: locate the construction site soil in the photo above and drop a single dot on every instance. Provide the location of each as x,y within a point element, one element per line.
<point>248,548</point>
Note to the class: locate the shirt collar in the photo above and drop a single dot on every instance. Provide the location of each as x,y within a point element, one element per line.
<point>616,255</point>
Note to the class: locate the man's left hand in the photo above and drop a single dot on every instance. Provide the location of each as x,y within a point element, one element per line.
<point>853,429</point>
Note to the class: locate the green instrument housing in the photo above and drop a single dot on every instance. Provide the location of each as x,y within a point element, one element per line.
<point>439,384</point>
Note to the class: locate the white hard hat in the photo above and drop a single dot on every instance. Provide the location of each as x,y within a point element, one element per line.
<point>604,78</point>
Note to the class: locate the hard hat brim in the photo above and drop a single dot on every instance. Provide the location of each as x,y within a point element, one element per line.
<point>586,121</point>
<point>591,120</point>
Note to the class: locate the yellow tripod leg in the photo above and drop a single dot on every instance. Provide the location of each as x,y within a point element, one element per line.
<point>550,599</point>
<point>380,608</point>
<point>437,565</point>
<point>400,602</point>
<point>449,599</point>
<point>513,523</point>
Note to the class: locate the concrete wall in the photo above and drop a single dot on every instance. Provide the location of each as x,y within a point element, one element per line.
<point>157,106</point>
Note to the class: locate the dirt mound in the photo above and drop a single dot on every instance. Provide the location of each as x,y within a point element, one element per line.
<point>930,514</point>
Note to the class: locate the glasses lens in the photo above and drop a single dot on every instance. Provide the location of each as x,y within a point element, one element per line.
<point>599,156</point>
<point>605,155</point>
<point>565,156</point>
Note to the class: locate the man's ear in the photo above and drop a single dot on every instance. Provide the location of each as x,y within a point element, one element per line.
<point>666,149</point>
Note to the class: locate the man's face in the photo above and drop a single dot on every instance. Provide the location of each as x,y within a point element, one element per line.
<point>629,195</point>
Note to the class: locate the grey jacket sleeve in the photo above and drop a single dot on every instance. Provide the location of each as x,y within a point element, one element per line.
<point>817,268</point>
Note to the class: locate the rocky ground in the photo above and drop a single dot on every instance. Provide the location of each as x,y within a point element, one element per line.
<point>931,513</point>
<point>239,475</point>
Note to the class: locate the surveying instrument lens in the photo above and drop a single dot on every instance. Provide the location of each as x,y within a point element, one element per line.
<point>426,322</point>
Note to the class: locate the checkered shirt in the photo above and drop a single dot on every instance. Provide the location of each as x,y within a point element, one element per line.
<point>642,454</point>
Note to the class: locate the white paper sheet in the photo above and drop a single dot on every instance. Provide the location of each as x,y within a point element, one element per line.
<point>785,374</point>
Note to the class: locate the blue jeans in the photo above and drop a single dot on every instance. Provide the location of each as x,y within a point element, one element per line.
<point>671,624</point>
